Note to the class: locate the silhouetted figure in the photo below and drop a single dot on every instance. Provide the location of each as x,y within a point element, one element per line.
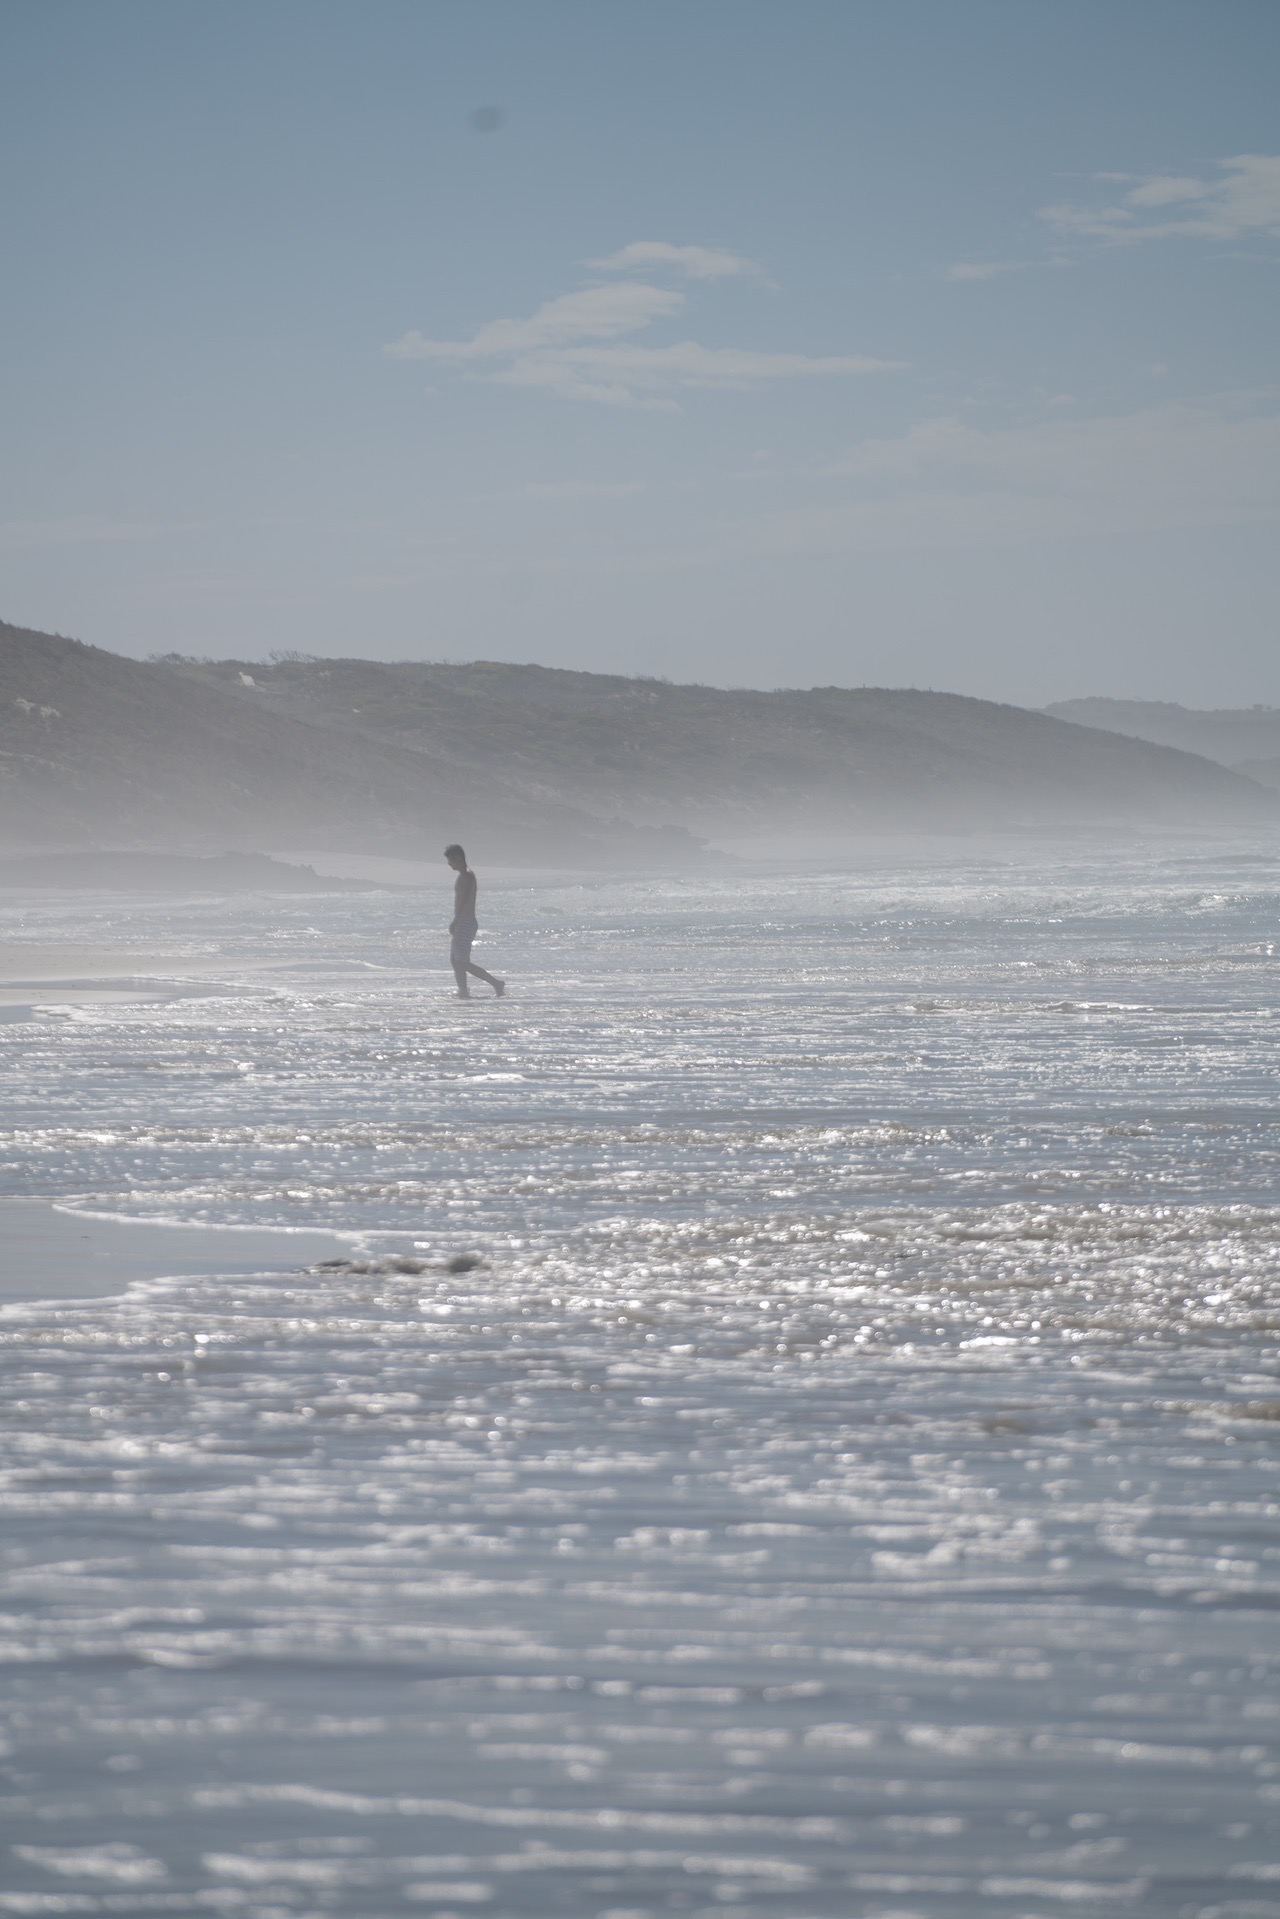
<point>463,927</point>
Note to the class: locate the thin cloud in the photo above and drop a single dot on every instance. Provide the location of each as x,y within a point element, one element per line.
<point>554,491</point>
<point>1242,204</point>
<point>949,483</point>
<point>594,313</point>
<point>1214,462</point>
<point>625,375</point>
<point>583,489</point>
<point>980,269</point>
<point>577,346</point>
<point>80,529</point>
<point>698,263</point>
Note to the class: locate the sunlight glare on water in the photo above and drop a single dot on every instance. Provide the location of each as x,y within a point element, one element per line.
<point>838,1477</point>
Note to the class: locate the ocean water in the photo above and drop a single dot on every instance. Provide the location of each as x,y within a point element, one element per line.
<point>837,1479</point>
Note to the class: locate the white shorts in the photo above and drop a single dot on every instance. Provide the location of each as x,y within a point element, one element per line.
<point>460,942</point>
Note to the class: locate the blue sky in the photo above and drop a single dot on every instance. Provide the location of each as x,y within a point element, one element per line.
<point>905,344</point>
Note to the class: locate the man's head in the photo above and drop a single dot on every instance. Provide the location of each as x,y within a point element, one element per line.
<point>456,858</point>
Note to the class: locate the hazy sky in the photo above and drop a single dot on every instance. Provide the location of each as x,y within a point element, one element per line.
<point>789,343</point>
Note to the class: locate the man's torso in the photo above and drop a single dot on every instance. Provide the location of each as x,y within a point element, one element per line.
<point>464,896</point>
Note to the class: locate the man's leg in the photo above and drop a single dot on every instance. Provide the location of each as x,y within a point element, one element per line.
<point>460,960</point>
<point>477,972</point>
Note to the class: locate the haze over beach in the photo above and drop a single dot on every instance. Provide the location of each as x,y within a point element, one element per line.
<point>183,755</point>
<point>639,878</point>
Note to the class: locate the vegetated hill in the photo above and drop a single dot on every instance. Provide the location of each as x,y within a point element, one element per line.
<point>146,872</point>
<point>734,764</point>
<point>1247,739</point>
<point>530,763</point>
<point>98,751</point>
<point>1265,772</point>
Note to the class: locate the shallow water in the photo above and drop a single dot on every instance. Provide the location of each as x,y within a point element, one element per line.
<point>847,1485</point>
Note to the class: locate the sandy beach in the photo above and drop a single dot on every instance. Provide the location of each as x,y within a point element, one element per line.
<point>29,961</point>
<point>76,974</point>
<point>47,1252</point>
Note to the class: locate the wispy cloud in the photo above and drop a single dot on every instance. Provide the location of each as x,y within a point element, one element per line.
<point>1241,203</point>
<point>582,489</point>
<point>595,313</point>
<point>80,529</point>
<point>698,263</point>
<point>556,491</point>
<point>1215,462</point>
<point>951,483</point>
<point>980,269</point>
<point>638,375</point>
<point>577,345</point>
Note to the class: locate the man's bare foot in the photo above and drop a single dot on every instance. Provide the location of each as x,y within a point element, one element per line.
<point>462,995</point>
<point>499,988</point>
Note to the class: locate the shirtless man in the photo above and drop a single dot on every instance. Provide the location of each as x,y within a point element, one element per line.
<point>463,925</point>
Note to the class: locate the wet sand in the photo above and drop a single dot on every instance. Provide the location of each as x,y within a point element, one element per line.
<point>48,1253</point>
<point>29,960</point>
<point>80,975</point>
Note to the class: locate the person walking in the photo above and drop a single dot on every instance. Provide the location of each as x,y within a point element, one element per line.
<point>464,926</point>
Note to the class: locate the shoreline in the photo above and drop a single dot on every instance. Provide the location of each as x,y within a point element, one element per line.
<point>72,974</point>
<point>50,1252</point>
